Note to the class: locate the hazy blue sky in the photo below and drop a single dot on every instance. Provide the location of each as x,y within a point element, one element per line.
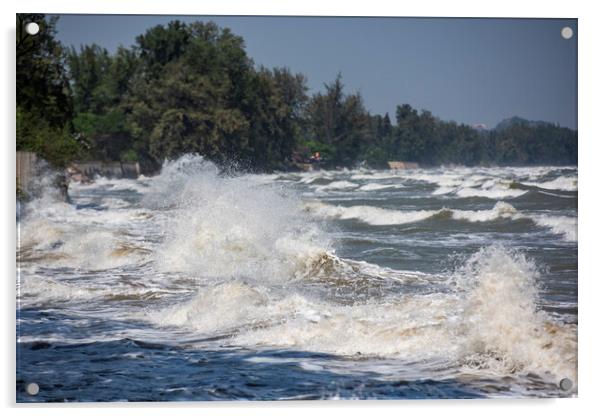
<point>468,70</point>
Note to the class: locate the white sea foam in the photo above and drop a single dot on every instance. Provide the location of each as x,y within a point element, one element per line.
<point>336,186</point>
<point>111,184</point>
<point>374,175</point>
<point>224,227</point>
<point>562,183</point>
<point>490,324</point>
<point>312,177</point>
<point>493,192</point>
<point>82,249</point>
<point>39,290</point>
<point>502,328</point>
<point>223,308</point>
<point>90,239</point>
<point>500,210</point>
<point>382,216</point>
<point>370,215</point>
<point>463,184</point>
<point>60,234</point>
<point>565,226</point>
<point>443,190</point>
<point>378,187</point>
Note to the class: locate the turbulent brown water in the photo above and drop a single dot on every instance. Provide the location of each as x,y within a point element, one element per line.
<point>196,285</point>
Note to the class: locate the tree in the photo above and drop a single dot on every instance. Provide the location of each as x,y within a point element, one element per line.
<point>100,83</point>
<point>340,121</point>
<point>406,144</point>
<point>44,105</point>
<point>191,88</point>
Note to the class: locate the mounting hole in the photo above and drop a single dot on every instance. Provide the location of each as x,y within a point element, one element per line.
<point>32,389</point>
<point>32,28</point>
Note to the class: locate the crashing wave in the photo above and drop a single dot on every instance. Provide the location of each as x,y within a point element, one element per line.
<point>490,323</point>
<point>565,226</point>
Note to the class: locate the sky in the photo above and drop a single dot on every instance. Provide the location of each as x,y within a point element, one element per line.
<point>468,70</point>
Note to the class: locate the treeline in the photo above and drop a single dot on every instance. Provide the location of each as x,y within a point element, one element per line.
<point>191,88</point>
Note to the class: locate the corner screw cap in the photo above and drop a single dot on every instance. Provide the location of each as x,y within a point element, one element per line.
<point>566,384</point>
<point>32,28</point>
<point>32,389</point>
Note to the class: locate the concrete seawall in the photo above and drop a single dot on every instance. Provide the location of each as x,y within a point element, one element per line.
<point>397,164</point>
<point>109,169</point>
<point>25,169</point>
<point>29,166</point>
<point>31,176</point>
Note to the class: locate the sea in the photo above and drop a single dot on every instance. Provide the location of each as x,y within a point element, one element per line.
<point>201,284</point>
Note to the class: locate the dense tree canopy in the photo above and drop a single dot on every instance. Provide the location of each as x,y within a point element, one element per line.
<point>191,88</point>
<point>339,122</point>
<point>44,101</point>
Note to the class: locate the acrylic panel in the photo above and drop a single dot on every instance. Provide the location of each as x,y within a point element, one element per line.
<point>295,208</point>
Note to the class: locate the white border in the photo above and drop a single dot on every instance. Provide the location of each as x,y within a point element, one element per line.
<point>590,68</point>
<point>461,8</point>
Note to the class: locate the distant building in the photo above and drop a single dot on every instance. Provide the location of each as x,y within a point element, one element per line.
<point>479,126</point>
<point>397,164</point>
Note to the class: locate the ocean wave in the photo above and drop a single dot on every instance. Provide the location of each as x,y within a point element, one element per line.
<point>461,182</point>
<point>224,227</point>
<point>112,184</point>
<point>562,183</point>
<point>490,323</point>
<point>375,175</point>
<point>336,186</point>
<point>479,186</point>
<point>382,216</point>
<point>490,185</point>
<point>499,211</point>
<point>246,260</point>
<point>499,192</point>
<point>378,187</point>
<point>69,245</point>
<point>501,326</point>
<point>39,290</point>
<point>370,215</point>
<point>565,226</point>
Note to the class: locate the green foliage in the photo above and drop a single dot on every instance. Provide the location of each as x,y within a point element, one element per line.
<point>107,133</point>
<point>42,83</point>
<point>339,120</point>
<point>197,91</point>
<point>54,144</point>
<point>191,88</point>
<point>422,138</point>
<point>44,105</point>
<point>100,85</point>
<point>523,142</point>
<point>376,157</point>
<point>129,155</point>
<point>327,151</point>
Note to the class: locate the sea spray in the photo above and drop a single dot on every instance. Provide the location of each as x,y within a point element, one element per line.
<point>490,324</point>
<point>231,226</point>
<point>501,327</point>
<point>60,233</point>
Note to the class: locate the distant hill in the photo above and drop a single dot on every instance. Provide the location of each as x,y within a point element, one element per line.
<point>512,121</point>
